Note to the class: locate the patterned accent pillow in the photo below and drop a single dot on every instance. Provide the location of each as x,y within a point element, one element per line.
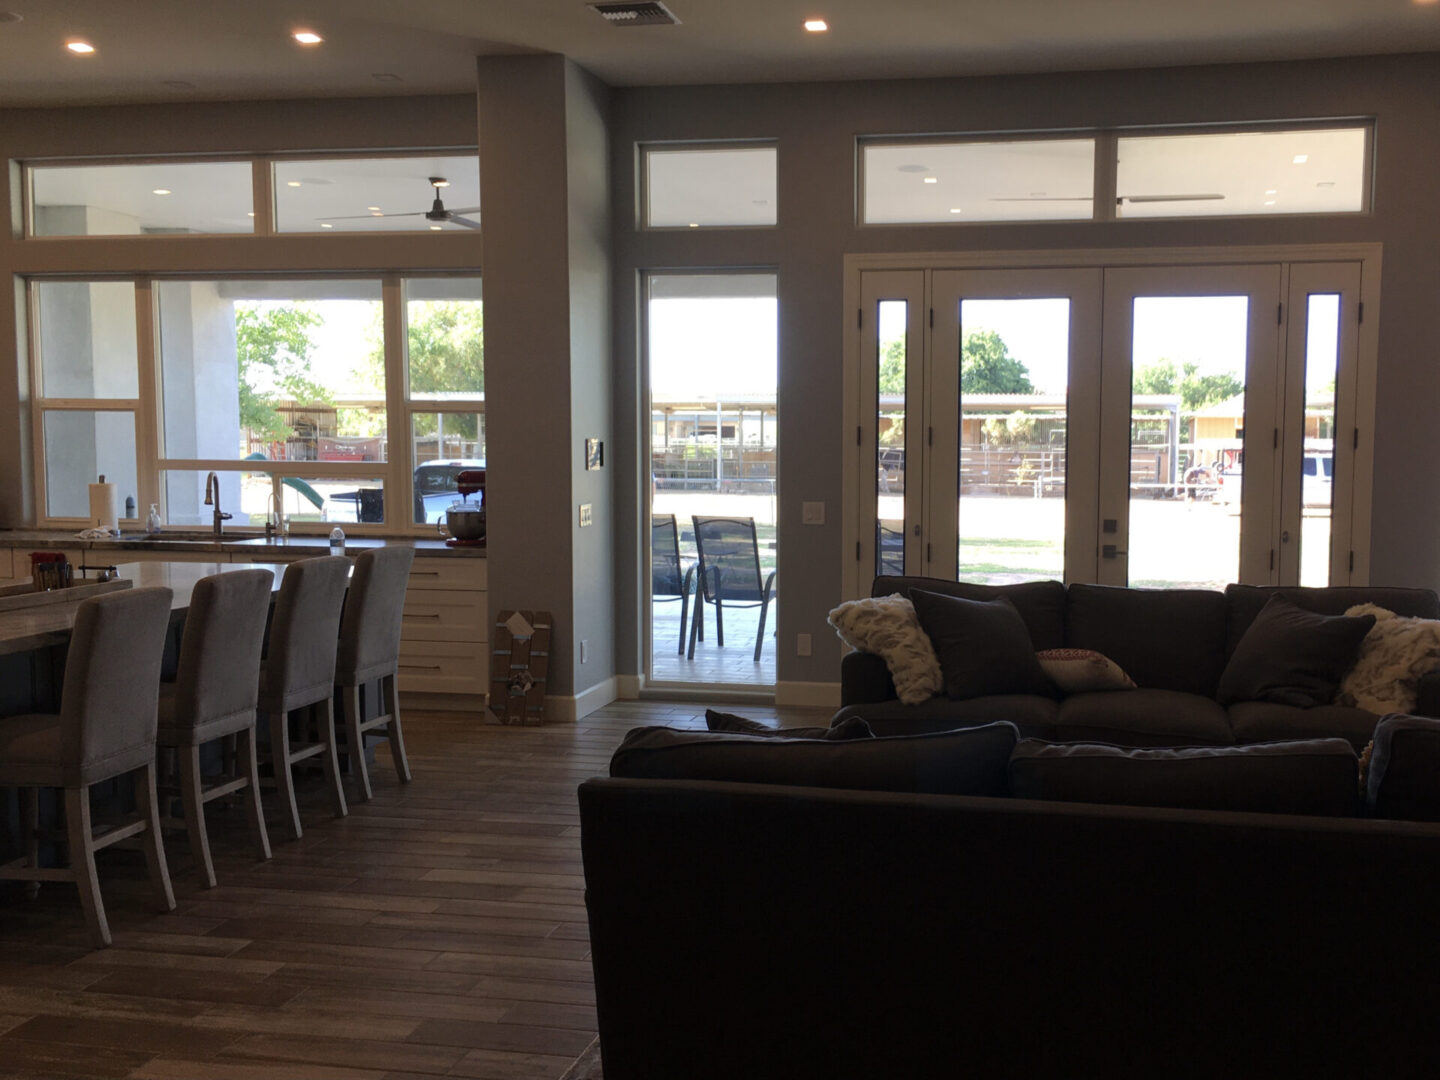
<point>1396,652</point>
<point>888,627</point>
<point>1077,670</point>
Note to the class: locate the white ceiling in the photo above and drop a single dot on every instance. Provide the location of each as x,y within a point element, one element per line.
<point>243,50</point>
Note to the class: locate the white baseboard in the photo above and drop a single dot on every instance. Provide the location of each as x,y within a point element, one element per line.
<point>562,709</point>
<point>814,694</point>
<point>628,687</point>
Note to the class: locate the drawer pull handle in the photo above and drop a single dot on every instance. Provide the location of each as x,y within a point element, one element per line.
<point>421,615</point>
<point>419,667</point>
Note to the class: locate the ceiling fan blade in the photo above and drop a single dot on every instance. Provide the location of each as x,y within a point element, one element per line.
<point>463,209</point>
<point>466,222</point>
<point>357,217</point>
<point>1206,196</point>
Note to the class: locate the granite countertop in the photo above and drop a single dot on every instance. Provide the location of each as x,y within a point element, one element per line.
<point>232,543</point>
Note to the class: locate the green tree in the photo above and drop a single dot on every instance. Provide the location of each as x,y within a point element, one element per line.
<point>273,347</point>
<point>446,350</point>
<point>986,366</point>
<point>1195,390</point>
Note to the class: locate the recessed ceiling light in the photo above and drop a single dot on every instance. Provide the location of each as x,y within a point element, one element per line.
<point>307,37</point>
<point>376,213</point>
<point>250,213</point>
<point>816,26</point>
<point>1269,202</point>
<point>956,210</point>
<point>439,181</point>
<point>326,225</point>
<point>161,191</point>
<point>932,180</point>
<point>694,224</point>
<point>80,48</point>
<point>372,208</point>
<point>434,228</point>
<point>1270,191</point>
<point>1300,159</point>
<point>292,183</point>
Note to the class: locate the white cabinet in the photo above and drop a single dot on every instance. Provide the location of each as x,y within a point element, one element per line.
<point>444,636</point>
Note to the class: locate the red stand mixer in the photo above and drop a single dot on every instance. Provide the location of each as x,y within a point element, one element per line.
<point>465,520</point>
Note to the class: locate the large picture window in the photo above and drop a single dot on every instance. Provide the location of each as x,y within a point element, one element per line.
<point>290,389</point>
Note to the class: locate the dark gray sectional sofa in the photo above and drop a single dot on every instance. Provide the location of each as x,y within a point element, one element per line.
<point>1173,642</point>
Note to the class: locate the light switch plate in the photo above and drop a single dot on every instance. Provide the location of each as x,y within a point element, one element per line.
<point>585,517</point>
<point>812,513</point>
<point>802,644</point>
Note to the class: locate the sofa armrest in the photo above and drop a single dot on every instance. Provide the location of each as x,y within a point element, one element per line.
<point>864,679</point>
<point>1427,694</point>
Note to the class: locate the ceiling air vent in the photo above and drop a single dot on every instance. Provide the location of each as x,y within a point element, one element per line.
<point>648,13</point>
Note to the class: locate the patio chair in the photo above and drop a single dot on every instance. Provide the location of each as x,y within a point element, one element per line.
<point>729,574</point>
<point>669,580</point>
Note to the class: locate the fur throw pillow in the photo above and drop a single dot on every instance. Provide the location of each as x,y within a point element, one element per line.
<point>1395,653</point>
<point>887,626</point>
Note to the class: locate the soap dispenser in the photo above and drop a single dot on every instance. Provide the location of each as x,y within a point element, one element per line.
<point>152,522</point>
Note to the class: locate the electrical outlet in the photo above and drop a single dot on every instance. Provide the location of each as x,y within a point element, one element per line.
<point>812,513</point>
<point>584,651</point>
<point>802,644</point>
<point>585,516</point>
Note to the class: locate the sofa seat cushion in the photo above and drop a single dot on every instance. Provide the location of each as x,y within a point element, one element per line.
<point>1041,604</point>
<point>1264,721</point>
<point>972,761</point>
<point>1034,716</point>
<point>1167,639</point>
<point>1401,781</point>
<point>1143,717</point>
<point>1311,777</point>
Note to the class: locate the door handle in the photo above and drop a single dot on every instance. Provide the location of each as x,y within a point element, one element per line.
<point>1108,551</point>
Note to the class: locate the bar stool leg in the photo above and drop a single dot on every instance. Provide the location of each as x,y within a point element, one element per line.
<point>391,704</point>
<point>30,822</point>
<point>331,756</point>
<point>82,862</point>
<point>148,803</point>
<point>284,779</point>
<point>256,812</point>
<point>192,795</point>
<point>355,742</point>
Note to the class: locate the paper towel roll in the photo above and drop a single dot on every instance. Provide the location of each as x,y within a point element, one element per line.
<point>104,507</point>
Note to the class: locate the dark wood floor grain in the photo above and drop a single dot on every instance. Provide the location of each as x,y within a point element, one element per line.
<point>437,931</point>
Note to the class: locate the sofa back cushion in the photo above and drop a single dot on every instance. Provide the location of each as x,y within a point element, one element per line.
<point>1403,780</point>
<point>971,761</point>
<point>1316,776</point>
<point>1164,639</point>
<point>1041,604</point>
<point>1244,602</point>
<point>983,646</point>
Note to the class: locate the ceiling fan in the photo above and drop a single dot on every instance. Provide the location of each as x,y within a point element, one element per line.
<point>437,212</point>
<point>1119,199</point>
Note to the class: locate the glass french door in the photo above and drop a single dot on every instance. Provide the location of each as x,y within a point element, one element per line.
<point>1154,426</point>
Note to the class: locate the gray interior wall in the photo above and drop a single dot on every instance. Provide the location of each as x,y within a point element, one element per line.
<point>524,189</point>
<point>587,108</point>
<point>816,126</point>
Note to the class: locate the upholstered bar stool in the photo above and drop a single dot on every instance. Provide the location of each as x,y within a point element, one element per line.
<point>105,728</point>
<point>370,654</point>
<point>213,696</point>
<point>298,673</point>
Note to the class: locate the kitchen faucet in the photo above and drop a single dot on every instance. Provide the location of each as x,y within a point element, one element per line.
<point>212,484</point>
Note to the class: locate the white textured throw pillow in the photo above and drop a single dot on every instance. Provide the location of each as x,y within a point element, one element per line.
<point>1077,670</point>
<point>1395,653</point>
<point>887,626</point>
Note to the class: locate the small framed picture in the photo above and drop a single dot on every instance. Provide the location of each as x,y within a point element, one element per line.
<point>594,454</point>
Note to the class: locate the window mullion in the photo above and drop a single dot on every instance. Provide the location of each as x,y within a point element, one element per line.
<point>147,411</point>
<point>398,476</point>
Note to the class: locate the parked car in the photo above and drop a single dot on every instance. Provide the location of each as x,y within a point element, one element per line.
<point>1317,474</point>
<point>435,486</point>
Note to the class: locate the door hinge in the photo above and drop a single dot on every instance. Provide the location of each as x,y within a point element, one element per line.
<point>859,318</point>
<point>932,318</point>
<point>857,435</point>
<point>1279,314</point>
<point>1275,441</point>
<point>1355,441</point>
<point>930,436</point>
<point>1272,558</point>
<point>1360,312</point>
<point>1352,562</point>
<point>927,552</point>
<point>857,550</point>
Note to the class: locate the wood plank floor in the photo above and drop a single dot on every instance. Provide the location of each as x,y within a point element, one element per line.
<point>439,930</point>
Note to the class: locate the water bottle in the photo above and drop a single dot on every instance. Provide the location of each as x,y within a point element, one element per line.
<point>337,541</point>
<point>152,521</point>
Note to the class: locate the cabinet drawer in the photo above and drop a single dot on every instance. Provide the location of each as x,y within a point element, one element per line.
<point>444,667</point>
<point>465,574</point>
<point>6,564</point>
<point>435,615</point>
